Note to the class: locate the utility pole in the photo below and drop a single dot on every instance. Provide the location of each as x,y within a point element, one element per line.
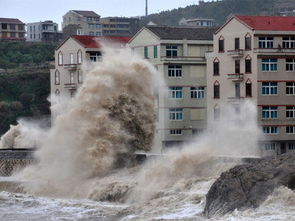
<point>146,7</point>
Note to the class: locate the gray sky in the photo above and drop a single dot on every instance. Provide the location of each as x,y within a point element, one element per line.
<point>40,10</point>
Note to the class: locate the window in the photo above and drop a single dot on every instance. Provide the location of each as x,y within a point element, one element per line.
<point>248,87</point>
<point>71,58</point>
<point>290,111</point>
<point>79,31</point>
<point>237,43</point>
<point>95,56</point>
<point>12,27</point>
<point>175,71</point>
<point>79,57</point>
<point>290,88</point>
<point>270,130</point>
<point>57,92</point>
<point>13,34</point>
<point>290,64</point>
<point>270,146</point>
<point>248,66</point>
<point>237,89</point>
<point>175,92</point>
<point>4,26</point>
<point>290,129</point>
<point>98,26</point>
<point>269,64</point>
<point>175,113</point>
<point>146,52</point>
<point>60,58</point>
<point>221,44</point>
<point>216,67</point>
<point>91,26</point>
<point>197,92</point>
<point>291,146</point>
<point>269,88</point>
<point>248,43</point>
<point>155,51</point>
<point>57,77</point>
<point>80,77</point>
<point>171,51</point>
<point>265,42</point>
<point>237,66</point>
<point>91,33</point>
<point>216,90</point>
<point>288,42</point>
<point>21,35</point>
<point>176,132</point>
<point>72,77</point>
<point>98,33</point>
<point>269,112</point>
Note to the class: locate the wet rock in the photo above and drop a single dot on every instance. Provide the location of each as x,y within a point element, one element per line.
<point>247,186</point>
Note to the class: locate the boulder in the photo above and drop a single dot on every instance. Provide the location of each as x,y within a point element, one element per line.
<point>247,186</point>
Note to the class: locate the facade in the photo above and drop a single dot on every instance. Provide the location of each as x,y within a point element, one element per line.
<point>198,22</point>
<point>74,52</point>
<point>119,26</point>
<point>179,55</point>
<point>46,31</point>
<point>86,23</point>
<point>12,29</point>
<point>254,59</point>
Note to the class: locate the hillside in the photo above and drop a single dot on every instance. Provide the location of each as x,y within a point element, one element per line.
<point>221,10</point>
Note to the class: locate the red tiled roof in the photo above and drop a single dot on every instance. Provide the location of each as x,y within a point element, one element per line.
<point>269,23</point>
<point>10,20</point>
<point>93,41</point>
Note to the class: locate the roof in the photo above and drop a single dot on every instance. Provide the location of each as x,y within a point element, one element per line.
<point>93,41</point>
<point>87,13</point>
<point>269,23</point>
<point>10,20</point>
<point>179,33</point>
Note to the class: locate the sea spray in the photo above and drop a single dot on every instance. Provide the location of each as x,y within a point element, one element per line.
<point>111,114</point>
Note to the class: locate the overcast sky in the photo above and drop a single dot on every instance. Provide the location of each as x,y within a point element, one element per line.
<point>40,10</point>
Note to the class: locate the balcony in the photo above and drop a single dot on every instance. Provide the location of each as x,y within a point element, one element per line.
<point>235,77</point>
<point>236,53</point>
<point>70,67</point>
<point>185,59</point>
<point>71,86</point>
<point>274,50</point>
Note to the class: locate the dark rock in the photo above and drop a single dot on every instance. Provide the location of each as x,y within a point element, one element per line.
<point>247,186</point>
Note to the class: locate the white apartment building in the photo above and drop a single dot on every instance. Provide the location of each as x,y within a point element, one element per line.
<point>254,59</point>
<point>179,55</point>
<point>46,31</point>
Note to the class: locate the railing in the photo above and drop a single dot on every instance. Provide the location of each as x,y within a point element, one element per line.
<point>235,52</point>
<point>71,86</point>
<point>236,77</point>
<point>274,50</point>
<point>183,58</point>
<point>70,66</point>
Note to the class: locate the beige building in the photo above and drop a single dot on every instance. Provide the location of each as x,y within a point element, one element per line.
<point>179,55</point>
<point>84,23</point>
<point>254,59</point>
<point>70,56</point>
<point>12,29</point>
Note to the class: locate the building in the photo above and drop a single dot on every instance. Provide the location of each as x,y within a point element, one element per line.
<point>198,22</point>
<point>46,31</point>
<point>70,55</point>
<point>119,26</point>
<point>179,55</point>
<point>254,59</point>
<point>12,29</point>
<point>84,23</point>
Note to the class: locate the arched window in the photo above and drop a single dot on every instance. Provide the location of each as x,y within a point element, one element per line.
<point>57,77</point>
<point>60,58</point>
<point>248,40</point>
<point>80,76</point>
<point>57,92</point>
<point>248,87</point>
<point>248,64</point>
<point>216,67</point>
<point>216,90</point>
<point>221,44</point>
<point>79,57</point>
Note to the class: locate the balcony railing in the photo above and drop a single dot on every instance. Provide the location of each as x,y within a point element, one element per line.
<point>71,86</point>
<point>71,67</point>
<point>236,53</point>
<point>274,50</point>
<point>184,58</point>
<point>235,77</point>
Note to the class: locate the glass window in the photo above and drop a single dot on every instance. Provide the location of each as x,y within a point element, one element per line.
<point>288,42</point>
<point>290,111</point>
<point>60,58</point>
<point>290,88</point>
<point>270,130</point>
<point>197,92</point>
<point>79,57</point>
<point>290,64</point>
<point>237,43</point>
<point>269,88</point>
<point>91,33</point>
<point>175,113</point>
<point>176,132</point>
<point>248,66</point>
<point>57,77</point>
<point>98,26</point>
<point>80,76</point>
<point>175,71</point>
<point>216,68</point>
<point>290,129</point>
<point>175,92</point>
<point>269,112</point>
<point>155,51</point>
<point>265,42</point>
<point>248,43</point>
<point>248,89</point>
<point>171,51</point>
<point>216,91</point>
<point>146,52</point>
<point>95,56</point>
<point>72,77</point>
<point>270,146</point>
<point>237,66</point>
<point>221,45</point>
<point>71,58</point>
<point>269,64</point>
